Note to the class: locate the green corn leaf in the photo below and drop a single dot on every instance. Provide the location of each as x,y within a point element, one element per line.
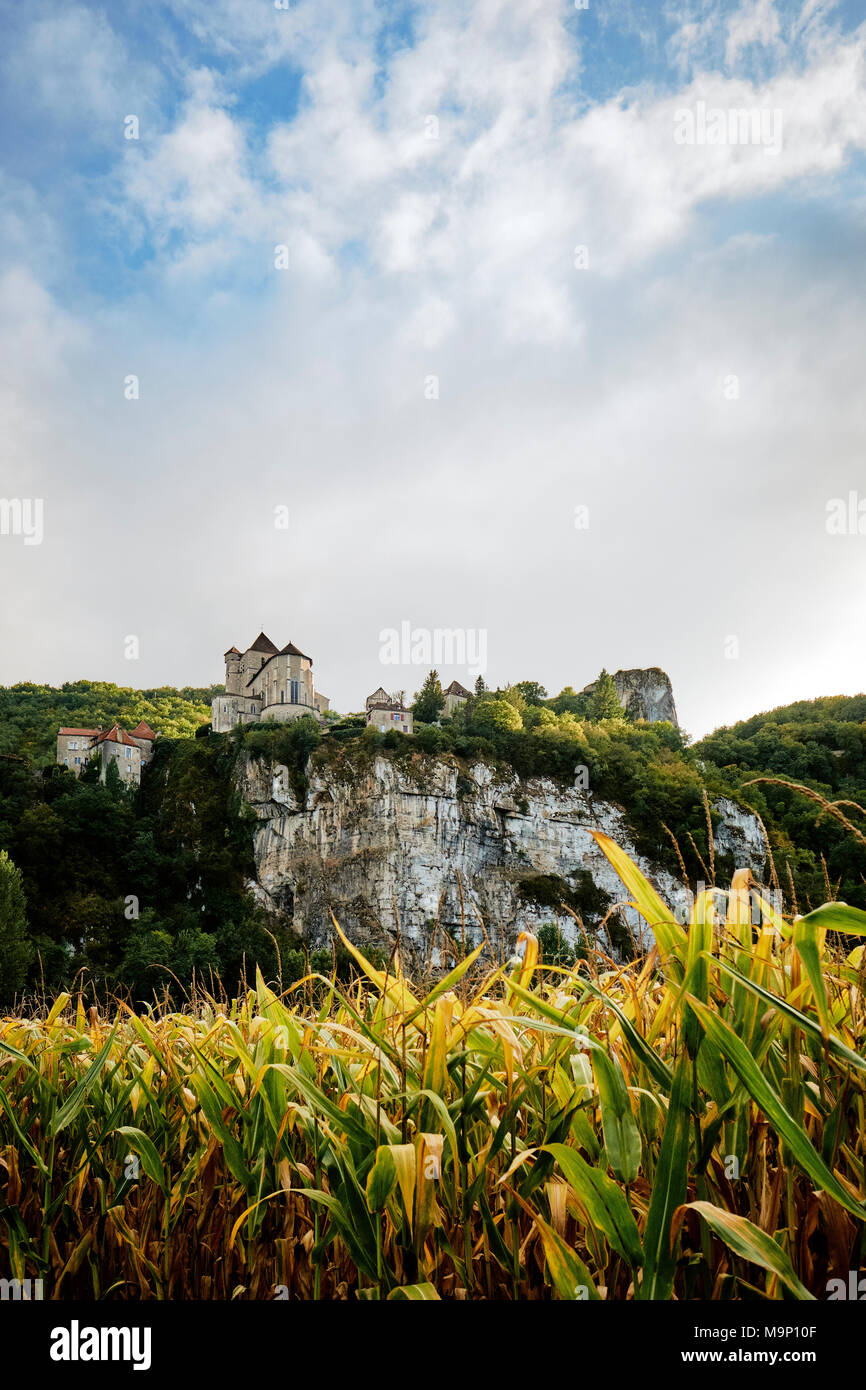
<point>146,1149</point>
<point>838,1048</point>
<point>19,1056</point>
<point>621,1134</point>
<point>75,1102</point>
<point>748,1241</point>
<point>209,1103</point>
<point>668,1191</point>
<point>381,1179</point>
<point>806,942</point>
<point>22,1137</point>
<point>838,917</point>
<point>762,1093</point>
<point>700,941</point>
<point>604,1202</point>
<point>640,1048</point>
<point>570,1275</point>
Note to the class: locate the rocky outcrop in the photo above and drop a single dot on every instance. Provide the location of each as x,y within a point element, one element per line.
<point>739,835</point>
<point>644,694</point>
<point>421,840</point>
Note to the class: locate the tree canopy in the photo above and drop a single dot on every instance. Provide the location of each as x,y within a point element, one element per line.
<point>604,701</point>
<point>16,950</point>
<point>429,700</point>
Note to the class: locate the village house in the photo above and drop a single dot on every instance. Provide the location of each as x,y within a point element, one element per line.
<point>386,712</point>
<point>130,751</point>
<point>455,696</point>
<point>266,682</point>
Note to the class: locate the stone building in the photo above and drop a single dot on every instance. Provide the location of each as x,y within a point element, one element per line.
<point>130,751</point>
<point>455,695</point>
<point>386,712</point>
<point>266,682</point>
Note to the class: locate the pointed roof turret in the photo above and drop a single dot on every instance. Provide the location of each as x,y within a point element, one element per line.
<point>263,644</point>
<point>291,650</point>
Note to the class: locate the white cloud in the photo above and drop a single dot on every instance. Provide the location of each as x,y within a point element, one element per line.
<point>70,64</point>
<point>756,22</point>
<point>195,179</point>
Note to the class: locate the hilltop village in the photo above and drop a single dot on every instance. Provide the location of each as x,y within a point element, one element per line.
<point>270,682</point>
<point>263,683</point>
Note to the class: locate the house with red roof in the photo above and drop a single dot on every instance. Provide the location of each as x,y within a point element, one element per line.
<point>130,751</point>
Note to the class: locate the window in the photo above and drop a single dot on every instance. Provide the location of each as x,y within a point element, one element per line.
<point>129,752</point>
<point>77,761</point>
<point>282,697</point>
<point>293,692</point>
<point>73,743</point>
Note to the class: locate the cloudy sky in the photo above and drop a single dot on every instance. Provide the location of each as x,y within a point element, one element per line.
<point>525,341</point>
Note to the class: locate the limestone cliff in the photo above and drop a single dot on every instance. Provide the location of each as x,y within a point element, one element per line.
<point>399,840</point>
<point>644,694</point>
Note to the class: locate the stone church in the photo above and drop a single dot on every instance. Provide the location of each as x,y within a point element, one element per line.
<point>266,682</point>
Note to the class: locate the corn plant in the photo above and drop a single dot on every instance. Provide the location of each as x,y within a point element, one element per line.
<point>687,1125</point>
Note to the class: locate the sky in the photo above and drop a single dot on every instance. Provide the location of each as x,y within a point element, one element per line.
<point>491,319</point>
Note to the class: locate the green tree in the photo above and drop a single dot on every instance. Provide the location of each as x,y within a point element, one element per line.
<point>480,687</point>
<point>514,695</point>
<point>15,948</point>
<point>536,717</point>
<point>113,782</point>
<point>604,703</point>
<point>555,949</point>
<point>532,692</point>
<point>492,716</point>
<point>90,773</point>
<point>570,701</point>
<point>429,700</point>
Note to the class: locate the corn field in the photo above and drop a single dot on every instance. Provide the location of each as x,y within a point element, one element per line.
<point>687,1126</point>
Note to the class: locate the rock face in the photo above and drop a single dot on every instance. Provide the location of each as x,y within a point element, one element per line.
<point>399,839</point>
<point>644,694</point>
<point>739,834</point>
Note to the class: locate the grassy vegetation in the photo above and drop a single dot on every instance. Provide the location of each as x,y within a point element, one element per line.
<point>690,1125</point>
